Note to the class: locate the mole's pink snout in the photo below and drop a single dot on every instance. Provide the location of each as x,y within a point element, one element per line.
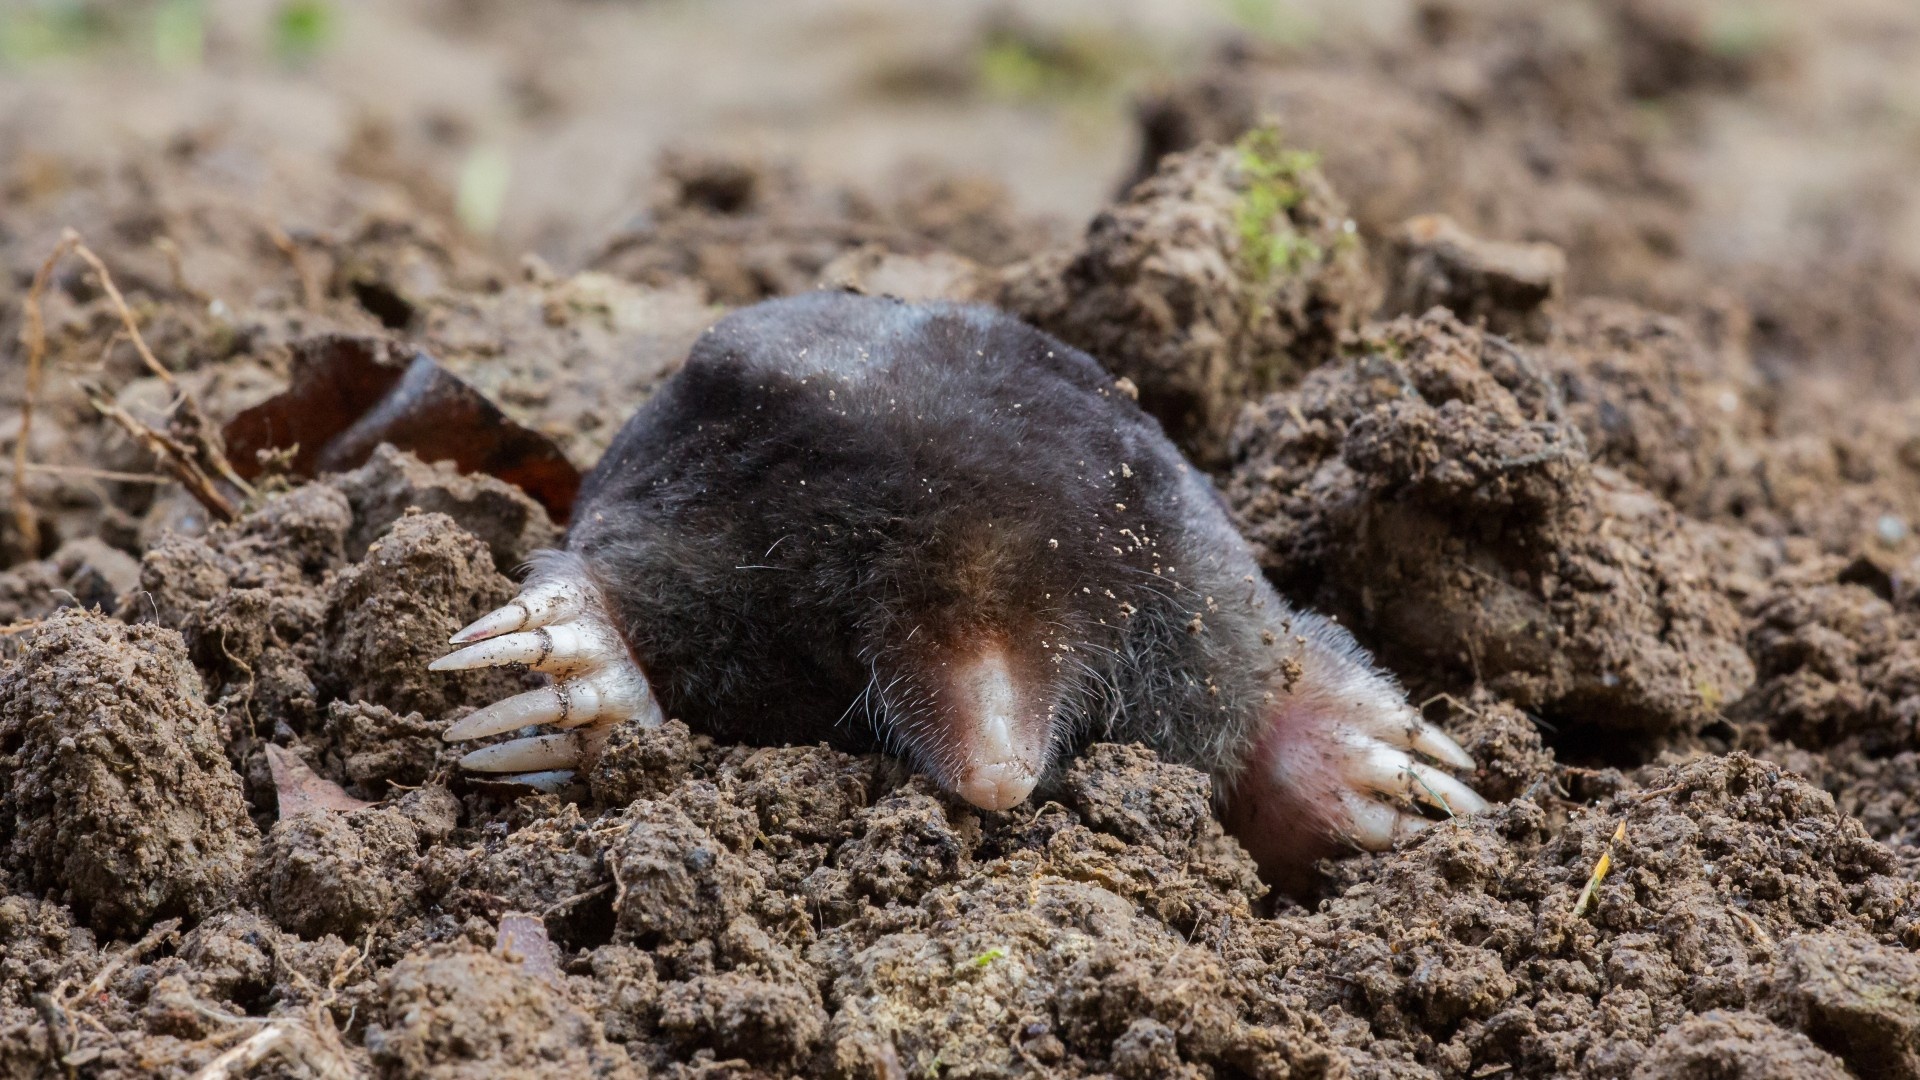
<point>1000,785</point>
<point>999,733</point>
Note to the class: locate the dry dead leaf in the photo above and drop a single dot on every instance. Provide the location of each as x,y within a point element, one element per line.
<point>303,791</point>
<point>350,394</point>
<point>523,938</point>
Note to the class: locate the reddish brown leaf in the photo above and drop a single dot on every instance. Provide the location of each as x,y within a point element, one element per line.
<point>350,394</point>
<point>303,791</point>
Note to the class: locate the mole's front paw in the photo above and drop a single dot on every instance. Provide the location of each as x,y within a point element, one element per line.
<point>1384,785</point>
<point>558,624</point>
<point>1343,762</point>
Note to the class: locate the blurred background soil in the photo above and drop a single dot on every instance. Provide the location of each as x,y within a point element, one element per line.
<point>1567,352</point>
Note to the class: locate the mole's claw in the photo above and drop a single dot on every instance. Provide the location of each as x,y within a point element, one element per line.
<point>560,648</point>
<point>493,623</point>
<point>1342,760</point>
<point>1434,743</point>
<point>1437,789</point>
<point>1392,772</point>
<point>542,706</point>
<point>536,753</point>
<point>1376,826</point>
<point>543,603</point>
<point>606,695</point>
<point>550,781</point>
<point>1403,726</point>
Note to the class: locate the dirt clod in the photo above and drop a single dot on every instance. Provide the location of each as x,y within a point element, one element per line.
<point>676,882</point>
<point>737,1016</point>
<point>1227,272</point>
<point>1838,664</point>
<point>1721,1045</point>
<point>1859,1000</point>
<point>500,515</point>
<point>642,762</point>
<point>1434,492</point>
<point>390,615</point>
<point>456,1011</point>
<point>1436,263</point>
<point>114,792</point>
<point>745,229</point>
<point>380,750</point>
<point>326,872</point>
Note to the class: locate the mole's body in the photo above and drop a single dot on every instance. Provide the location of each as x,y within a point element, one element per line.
<point>934,530</point>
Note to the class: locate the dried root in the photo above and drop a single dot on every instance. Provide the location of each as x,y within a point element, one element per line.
<point>191,452</point>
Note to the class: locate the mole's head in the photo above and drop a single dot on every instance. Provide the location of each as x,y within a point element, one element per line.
<point>976,638</point>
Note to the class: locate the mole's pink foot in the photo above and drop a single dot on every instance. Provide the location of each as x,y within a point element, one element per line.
<point>558,624</point>
<point>1344,763</point>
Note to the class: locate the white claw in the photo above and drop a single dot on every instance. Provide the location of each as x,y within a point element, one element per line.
<point>1394,773</point>
<point>551,781</point>
<point>535,753</point>
<point>561,648</point>
<point>492,624</point>
<point>1376,826</point>
<point>553,600</point>
<point>1435,788</point>
<point>558,624</point>
<point>1403,727</point>
<point>1434,743</point>
<point>542,706</point>
<point>605,695</point>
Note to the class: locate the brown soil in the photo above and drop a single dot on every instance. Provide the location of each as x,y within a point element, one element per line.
<point>1434,492</point>
<point>1227,271</point>
<point>1620,474</point>
<point>117,798</point>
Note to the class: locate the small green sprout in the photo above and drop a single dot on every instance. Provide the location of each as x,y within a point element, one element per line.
<point>1268,241</point>
<point>988,957</point>
<point>1073,64</point>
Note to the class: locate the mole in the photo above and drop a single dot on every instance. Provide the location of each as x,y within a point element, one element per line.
<point>933,530</point>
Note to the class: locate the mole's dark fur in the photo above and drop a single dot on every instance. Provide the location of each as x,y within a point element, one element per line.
<point>838,487</point>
